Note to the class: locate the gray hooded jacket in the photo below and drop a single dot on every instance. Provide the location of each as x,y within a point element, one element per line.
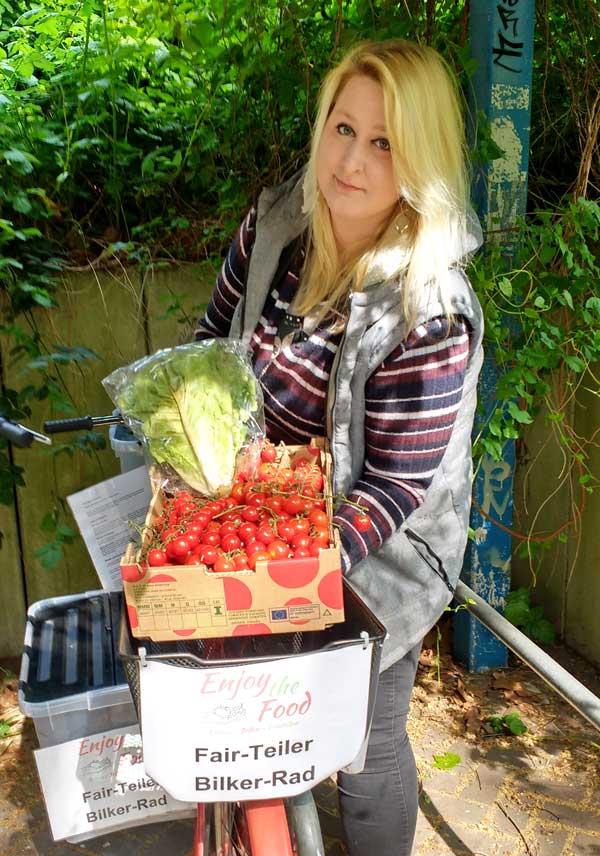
<point>409,580</point>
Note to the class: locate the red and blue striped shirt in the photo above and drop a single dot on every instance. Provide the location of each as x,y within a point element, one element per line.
<point>411,399</point>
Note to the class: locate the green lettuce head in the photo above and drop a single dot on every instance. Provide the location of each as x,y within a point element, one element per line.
<point>194,406</point>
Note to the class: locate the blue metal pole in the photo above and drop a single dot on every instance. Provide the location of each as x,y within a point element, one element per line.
<point>501,36</point>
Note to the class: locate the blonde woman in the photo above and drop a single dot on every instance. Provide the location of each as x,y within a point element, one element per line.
<point>346,284</point>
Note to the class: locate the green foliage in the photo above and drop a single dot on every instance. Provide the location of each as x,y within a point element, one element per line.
<point>542,321</point>
<point>59,535</point>
<point>446,761</point>
<point>519,611</point>
<point>140,131</point>
<point>6,726</point>
<point>510,723</point>
<point>130,130</point>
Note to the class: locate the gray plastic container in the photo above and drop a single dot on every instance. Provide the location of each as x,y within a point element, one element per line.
<point>72,683</point>
<point>126,447</point>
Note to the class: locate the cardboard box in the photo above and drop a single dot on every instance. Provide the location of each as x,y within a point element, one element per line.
<point>280,596</point>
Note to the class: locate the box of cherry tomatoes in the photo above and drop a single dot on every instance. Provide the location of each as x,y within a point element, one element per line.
<point>264,559</point>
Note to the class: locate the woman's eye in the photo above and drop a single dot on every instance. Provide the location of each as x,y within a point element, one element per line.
<point>383,144</point>
<point>344,130</point>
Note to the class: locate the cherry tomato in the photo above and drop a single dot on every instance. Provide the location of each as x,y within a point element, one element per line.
<point>285,475</point>
<point>293,504</point>
<point>178,549</point>
<point>223,565</point>
<point>320,535</point>
<point>254,547</point>
<point>316,547</point>
<point>168,534</point>
<point>300,540</point>
<point>318,518</point>
<point>181,507</point>
<point>241,562</point>
<point>311,477</point>
<point>265,534</point>
<point>278,549</point>
<point>237,492</point>
<point>246,531</point>
<point>157,557</point>
<point>301,524</point>
<point>227,528</point>
<point>251,514</point>
<point>202,516</point>
<point>268,453</point>
<point>361,522</point>
<point>256,500</point>
<point>212,538</point>
<point>198,528</point>
<point>230,542</point>
<point>300,463</point>
<point>275,503</point>
<point>266,472</point>
<point>301,553</point>
<point>260,556</point>
<point>207,554</point>
<point>192,538</point>
<point>193,559</point>
<point>285,529</point>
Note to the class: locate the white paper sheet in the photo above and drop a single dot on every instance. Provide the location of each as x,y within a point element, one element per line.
<point>103,513</point>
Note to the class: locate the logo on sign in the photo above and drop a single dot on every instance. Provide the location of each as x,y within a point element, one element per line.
<point>279,614</point>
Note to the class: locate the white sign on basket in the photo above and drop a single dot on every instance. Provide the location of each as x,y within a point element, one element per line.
<point>254,731</point>
<point>99,784</point>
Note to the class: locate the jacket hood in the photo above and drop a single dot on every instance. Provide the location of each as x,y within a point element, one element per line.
<point>389,261</point>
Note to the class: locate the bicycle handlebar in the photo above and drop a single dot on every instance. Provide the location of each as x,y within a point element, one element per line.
<point>20,435</point>
<point>80,423</point>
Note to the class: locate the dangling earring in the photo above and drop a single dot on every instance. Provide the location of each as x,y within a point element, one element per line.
<point>401,219</point>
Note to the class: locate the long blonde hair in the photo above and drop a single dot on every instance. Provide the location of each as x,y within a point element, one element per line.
<point>425,128</point>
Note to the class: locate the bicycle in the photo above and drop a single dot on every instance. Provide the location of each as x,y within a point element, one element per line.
<point>271,827</point>
<point>226,826</point>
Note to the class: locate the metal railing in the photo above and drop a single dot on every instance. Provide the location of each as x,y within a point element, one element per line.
<point>572,691</point>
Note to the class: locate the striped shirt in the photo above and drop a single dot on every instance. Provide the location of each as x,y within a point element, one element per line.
<point>411,399</point>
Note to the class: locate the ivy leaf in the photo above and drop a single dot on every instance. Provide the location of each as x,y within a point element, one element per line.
<point>513,722</point>
<point>66,533</point>
<point>446,761</point>
<point>505,287</point>
<point>542,630</point>
<point>510,723</point>
<point>517,613</point>
<point>519,415</point>
<point>576,364</point>
<point>49,554</point>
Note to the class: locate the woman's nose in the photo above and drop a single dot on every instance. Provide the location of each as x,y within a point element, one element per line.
<point>354,157</point>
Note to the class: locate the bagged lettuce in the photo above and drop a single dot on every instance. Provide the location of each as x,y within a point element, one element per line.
<point>195,407</point>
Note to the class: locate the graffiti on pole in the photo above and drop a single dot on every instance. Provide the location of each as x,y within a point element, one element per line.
<point>507,51</point>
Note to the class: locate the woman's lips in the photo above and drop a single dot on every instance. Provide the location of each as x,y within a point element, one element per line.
<point>342,185</point>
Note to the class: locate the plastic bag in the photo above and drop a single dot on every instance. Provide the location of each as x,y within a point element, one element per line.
<point>195,407</point>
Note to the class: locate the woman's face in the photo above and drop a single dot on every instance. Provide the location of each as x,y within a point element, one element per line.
<point>354,163</point>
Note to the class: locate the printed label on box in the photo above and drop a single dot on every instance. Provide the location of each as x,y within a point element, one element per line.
<point>97,784</point>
